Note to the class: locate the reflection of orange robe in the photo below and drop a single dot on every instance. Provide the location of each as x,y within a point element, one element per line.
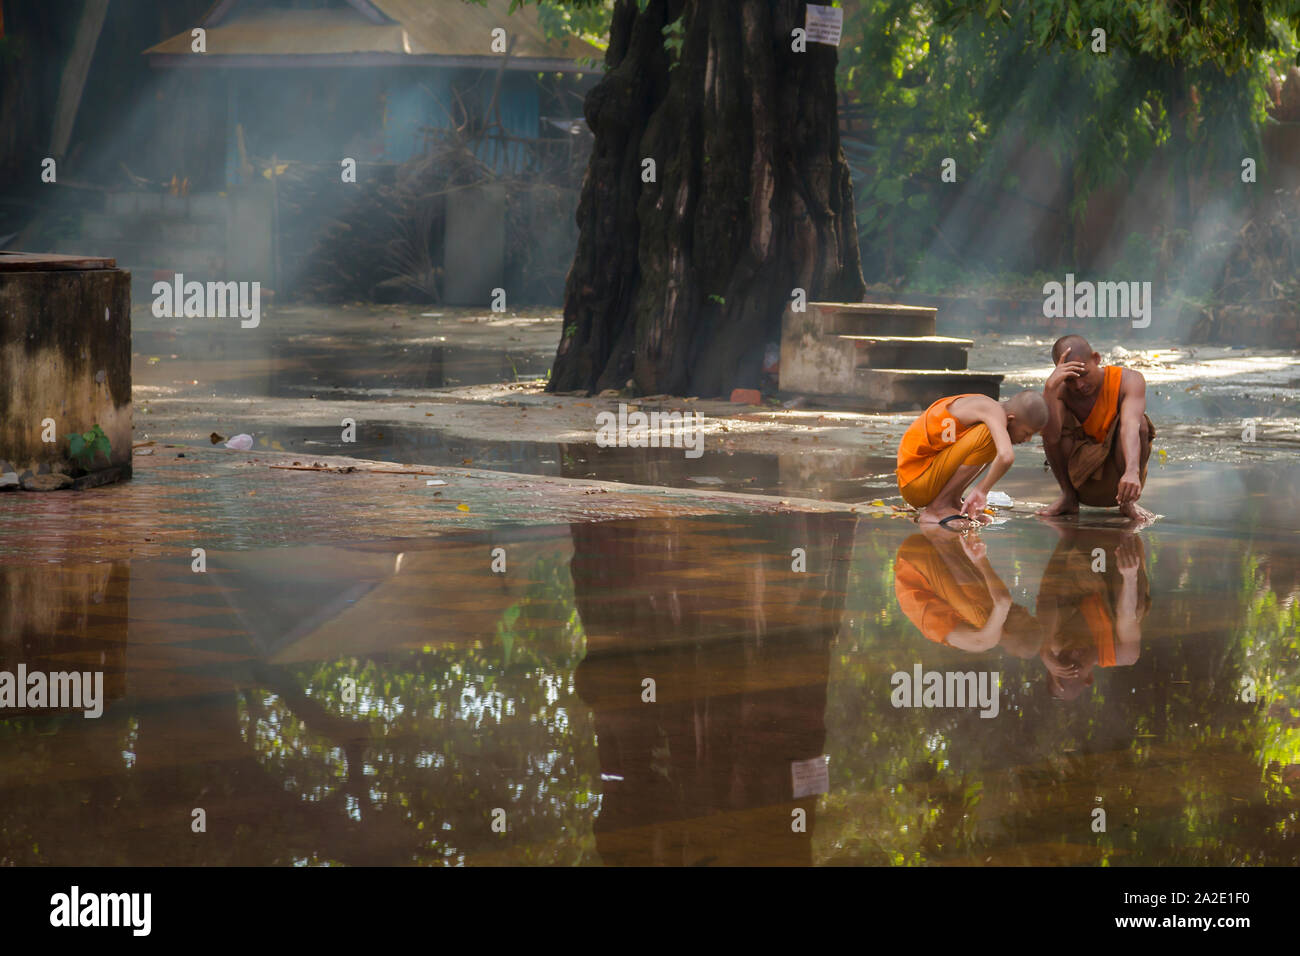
<point>929,595</point>
<point>1101,625</point>
<point>934,447</point>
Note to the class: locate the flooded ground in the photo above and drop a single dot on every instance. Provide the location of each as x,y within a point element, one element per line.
<point>523,693</point>
<point>526,664</point>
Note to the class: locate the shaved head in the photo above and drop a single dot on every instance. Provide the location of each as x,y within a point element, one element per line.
<point>1029,408</point>
<point>1073,344</point>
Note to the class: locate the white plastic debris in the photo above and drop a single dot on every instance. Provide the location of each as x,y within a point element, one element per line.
<point>241,443</point>
<point>435,481</point>
<point>1000,499</point>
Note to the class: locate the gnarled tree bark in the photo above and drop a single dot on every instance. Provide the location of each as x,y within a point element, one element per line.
<point>678,284</point>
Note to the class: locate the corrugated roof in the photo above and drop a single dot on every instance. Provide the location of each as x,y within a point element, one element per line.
<point>292,33</point>
<point>422,32</point>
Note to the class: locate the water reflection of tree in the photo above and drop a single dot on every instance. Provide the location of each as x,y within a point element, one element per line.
<point>443,733</point>
<point>288,772</point>
<point>737,644</point>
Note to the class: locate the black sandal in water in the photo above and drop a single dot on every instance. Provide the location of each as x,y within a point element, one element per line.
<point>943,522</point>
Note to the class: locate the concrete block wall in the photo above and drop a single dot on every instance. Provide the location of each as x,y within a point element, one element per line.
<point>65,354</point>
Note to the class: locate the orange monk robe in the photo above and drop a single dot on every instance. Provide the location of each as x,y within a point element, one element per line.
<point>931,597</point>
<point>934,447</point>
<point>1092,468</point>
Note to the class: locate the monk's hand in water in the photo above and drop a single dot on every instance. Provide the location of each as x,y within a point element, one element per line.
<point>1127,557</point>
<point>973,547</point>
<point>1062,374</point>
<point>975,504</point>
<point>1059,663</point>
<point>1129,489</point>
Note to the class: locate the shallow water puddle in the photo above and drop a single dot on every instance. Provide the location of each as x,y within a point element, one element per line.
<point>377,702</point>
<point>337,367</point>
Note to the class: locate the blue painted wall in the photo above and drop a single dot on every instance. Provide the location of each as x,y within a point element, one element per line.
<point>374,115</point>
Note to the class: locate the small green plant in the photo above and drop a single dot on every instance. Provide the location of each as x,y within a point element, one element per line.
<point>717,299</point>
<point>674,36</point>
<point>83,448</point>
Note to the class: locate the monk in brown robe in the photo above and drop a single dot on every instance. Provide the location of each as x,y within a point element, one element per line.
<point>1098,436</point>
<point>1091,601</point>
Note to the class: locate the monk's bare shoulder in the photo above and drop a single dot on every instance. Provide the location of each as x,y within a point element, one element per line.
<point>970,409</point>
<point>1132,382</point>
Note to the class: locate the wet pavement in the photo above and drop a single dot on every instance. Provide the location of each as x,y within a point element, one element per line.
<point>459,387</point>
<point>720,661</point>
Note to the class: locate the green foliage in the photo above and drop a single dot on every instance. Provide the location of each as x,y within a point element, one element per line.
<point>977,82</point>
<point>674,35</point>
<point>586,19</point>
<point>82,448</point>
<point>589,21</point>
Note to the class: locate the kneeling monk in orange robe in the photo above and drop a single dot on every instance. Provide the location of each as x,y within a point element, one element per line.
<point>954,439</point>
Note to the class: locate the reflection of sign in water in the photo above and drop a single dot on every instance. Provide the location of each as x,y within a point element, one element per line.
<point>810,776</point>
<point>824,24</point>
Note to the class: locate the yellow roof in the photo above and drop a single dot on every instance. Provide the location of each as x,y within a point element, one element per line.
<point>419,31</point>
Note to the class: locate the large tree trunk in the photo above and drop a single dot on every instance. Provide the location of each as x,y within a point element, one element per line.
<point>679,284</point>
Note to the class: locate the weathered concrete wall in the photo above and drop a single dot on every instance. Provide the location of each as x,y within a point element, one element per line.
<point>51,614</point>
<point>65,354</point>
<point>812,359</point>
<point>249,250</point>
<point>474,249</point>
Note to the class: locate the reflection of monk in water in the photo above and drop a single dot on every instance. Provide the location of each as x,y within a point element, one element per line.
<point>947,588</point>
<point>1098,436</point>
<point>1091,602</point>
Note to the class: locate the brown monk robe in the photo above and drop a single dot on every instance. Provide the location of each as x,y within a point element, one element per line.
<point>1091,602</point>
<point>1098,436</point>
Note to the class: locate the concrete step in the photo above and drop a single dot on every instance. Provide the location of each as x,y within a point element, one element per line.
<point>205,205</point>
<point>901,388</point>
<point>210,261</point>
<point>909,352</point>
<point>898,389</point>
<point>874,318</point>
<point>97,226</point>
